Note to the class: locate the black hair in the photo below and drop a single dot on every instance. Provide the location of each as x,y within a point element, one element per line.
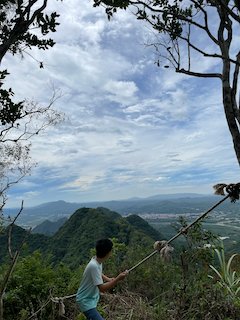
<point>103,247</point>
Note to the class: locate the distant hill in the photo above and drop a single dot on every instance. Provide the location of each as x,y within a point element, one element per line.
<point>79,234</point>
<point>142,225</point>
<point>171,204</point>
<point>49,227</point>
<point>53,211</point>
<point>33,241</point>
<point>72,242</point>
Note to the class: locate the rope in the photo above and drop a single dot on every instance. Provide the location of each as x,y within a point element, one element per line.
<point>163,247</point>
<point>60,300</point>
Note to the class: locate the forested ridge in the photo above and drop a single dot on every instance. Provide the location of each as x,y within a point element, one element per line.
<point>73,241</point>
<point>186,288</point>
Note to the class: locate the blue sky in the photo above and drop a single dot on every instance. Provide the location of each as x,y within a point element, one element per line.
<point>131,128</point>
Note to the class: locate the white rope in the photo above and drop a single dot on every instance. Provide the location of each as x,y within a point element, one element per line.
<point>60,300</point>
<point>163,247</point>
<point>182,231</point>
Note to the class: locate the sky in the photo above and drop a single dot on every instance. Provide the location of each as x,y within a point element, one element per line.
<point>131,128</point>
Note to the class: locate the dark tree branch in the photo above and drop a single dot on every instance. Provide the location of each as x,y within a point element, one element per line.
<point>234,89</point>
<point>10,231</point>
<point>206,22</point>
<point>199,75</point>
<point>229,11</point>
<point>9,272</point>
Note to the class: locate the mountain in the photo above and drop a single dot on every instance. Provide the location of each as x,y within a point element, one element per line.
<point>142,225</point>
<point>71,244</point>
<point>20,235</point>
<point>80,232</point>
<point>53,211</point>
<point>171,204</point>
<point>49,227</point>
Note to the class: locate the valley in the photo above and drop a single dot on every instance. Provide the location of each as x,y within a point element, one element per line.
<point>162,212</point>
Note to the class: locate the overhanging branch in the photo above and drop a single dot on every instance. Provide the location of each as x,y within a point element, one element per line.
<point>199,74</point>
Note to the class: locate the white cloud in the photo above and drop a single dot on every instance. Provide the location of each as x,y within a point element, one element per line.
<point>121,91</point>
<point>131,129</point>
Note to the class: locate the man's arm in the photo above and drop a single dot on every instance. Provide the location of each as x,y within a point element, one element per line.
<point>106,278</point>
<point>112,283</point>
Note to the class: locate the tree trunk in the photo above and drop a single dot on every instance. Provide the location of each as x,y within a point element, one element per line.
<point>231,119</point>
<point>225,33</point>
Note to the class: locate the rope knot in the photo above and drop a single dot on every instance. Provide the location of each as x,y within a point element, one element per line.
<point>184,230</point>
<point>232,189</point>
<point>61,306</point>
<point>158,245</point>
<point>164,249</point>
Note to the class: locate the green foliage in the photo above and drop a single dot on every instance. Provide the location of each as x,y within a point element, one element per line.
<point>113,265</point>
<point>17,20</point>
<point>154,290</point>
<point>9,111</point>
<point>16,27</point>
<point>73,241</point>
<point>48,228</point>
<point>195,251</point>
<point>197,299</point>
<point>228,279</point>
<point>29,286</point>
<point>164,16</point>
<point>142,225</point>
<point>32,243</point>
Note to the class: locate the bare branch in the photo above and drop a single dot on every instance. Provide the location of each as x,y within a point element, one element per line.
<point>10,231</point>
<point>206,21</point>
<point>229,11</point>
<point>8,274</point>
<point>205,54</point>
<point>197,49</point>
<point>36,12</point>
<point>183,18</point>
<point>189,47</point>
<point>40,309</point>
<point>200,75</point>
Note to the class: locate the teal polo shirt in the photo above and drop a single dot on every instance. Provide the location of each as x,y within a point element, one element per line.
<point>88,293</point>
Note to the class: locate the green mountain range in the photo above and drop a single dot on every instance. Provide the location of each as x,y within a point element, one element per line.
<point>171,204</point>
<point>71,244</point>
<point>48,227</point>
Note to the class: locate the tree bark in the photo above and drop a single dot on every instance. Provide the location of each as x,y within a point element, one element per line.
<point>225,33</point>
<point>230,117</point>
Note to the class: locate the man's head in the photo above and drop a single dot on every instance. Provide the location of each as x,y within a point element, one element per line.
<point>103,247</point>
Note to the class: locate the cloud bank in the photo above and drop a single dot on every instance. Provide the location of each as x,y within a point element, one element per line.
<point>131,128</point>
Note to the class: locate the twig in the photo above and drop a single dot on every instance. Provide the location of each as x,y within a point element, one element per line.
<point>10,231</point>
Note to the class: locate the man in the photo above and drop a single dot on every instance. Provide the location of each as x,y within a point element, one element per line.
<point>94,281</point>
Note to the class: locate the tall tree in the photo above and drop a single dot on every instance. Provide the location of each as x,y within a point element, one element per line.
<point>19,21</point>
<point>15,141</point>
<point>23,25</point>
<point>181,26</point>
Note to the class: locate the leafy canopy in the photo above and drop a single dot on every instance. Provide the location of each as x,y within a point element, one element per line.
<point>23,25</point>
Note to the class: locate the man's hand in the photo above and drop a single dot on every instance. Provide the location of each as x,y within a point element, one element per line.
<point>110,284</point>
<point>122,275</point>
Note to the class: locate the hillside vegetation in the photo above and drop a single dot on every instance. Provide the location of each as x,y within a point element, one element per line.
<point>72,242</point>
<point>185,289</point>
